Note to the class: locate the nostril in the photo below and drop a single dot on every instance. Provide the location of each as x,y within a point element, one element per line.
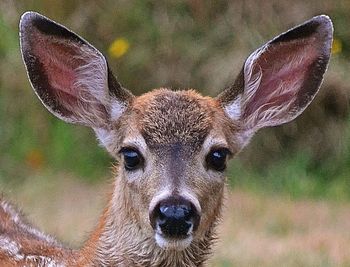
<point>174,217</point>
<point>174,212</point>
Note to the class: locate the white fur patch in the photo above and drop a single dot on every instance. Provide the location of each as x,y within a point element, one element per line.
<point>42,261</point>
<point>214,139</point>
<point>11,248</point>
<point>252,81</point>
<point>106,139</point>
<point>233,110</point>
<point>177,244</point>
<point>163,194</point>
<point>135,139</point>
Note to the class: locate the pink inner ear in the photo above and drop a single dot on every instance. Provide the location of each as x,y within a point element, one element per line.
<point>60,63</point>
<point>283,69</point>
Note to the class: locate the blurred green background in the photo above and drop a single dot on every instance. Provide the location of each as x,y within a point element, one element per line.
<point>182,44</point>
<point>289,204</point>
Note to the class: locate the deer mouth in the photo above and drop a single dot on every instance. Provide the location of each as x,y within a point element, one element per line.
<point>174,232</point>
<point>173,243</point>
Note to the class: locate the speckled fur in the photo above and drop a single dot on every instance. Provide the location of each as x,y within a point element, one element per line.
<point>174,131</point>
<point>23,245</point>
<point>171,117</point>
<point>161,117</point>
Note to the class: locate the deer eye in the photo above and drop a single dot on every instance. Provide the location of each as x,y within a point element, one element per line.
<point>132,158</point>
<point>216,159</point>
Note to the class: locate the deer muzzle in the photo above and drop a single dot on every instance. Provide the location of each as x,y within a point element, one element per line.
<point>174,218</point>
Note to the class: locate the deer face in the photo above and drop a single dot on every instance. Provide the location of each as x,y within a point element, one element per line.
<point>173,156</point>
<point>173,146</point>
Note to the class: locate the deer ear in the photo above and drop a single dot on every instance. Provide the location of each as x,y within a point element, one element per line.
<point>280,79</point>
<point>70,76</point>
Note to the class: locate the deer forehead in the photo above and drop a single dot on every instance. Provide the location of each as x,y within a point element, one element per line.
<point>181,118</point>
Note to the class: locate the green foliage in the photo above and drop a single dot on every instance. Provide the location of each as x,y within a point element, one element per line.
<point>298,175</point>
<point>181,44</point>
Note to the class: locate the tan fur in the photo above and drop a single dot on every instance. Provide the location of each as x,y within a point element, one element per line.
<point>167,117</point>
<point>174,131</point>
<point>124,236</point>
<point>161,118</point>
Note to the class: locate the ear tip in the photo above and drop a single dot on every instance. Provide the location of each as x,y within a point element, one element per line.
<point>325,23</point>
<point>31,22</point>
<point>28,21</point>
<point>323,19</point>
<point>27,18</point>
<point>325,30</point>
<point>25,24</point>
<point>321,27</point>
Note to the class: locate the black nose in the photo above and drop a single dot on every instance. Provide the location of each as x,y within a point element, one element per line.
<point>175,217</point>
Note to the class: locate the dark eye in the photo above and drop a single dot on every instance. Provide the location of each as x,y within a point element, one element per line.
<point>216,159</point>
<point>132,158</point>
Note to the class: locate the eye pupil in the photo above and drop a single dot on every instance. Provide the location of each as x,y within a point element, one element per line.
<point>132,158</point>
<point>216,159</point>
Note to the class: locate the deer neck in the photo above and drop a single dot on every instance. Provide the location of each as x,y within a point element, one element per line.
<point>119,240</point>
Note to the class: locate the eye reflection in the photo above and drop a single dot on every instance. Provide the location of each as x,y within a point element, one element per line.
<point>216,159</point>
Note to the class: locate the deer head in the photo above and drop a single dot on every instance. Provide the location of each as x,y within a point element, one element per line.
<point>173,146</point>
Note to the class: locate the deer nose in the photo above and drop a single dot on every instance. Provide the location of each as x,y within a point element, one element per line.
<point>175,218</point>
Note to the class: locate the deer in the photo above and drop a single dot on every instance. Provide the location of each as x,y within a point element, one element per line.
<point>172,146</point>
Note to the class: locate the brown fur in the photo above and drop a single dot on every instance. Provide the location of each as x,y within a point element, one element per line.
<point>173,131</point>
<point>124,236</point>
<point>162,118</point>
<point>167,117</point>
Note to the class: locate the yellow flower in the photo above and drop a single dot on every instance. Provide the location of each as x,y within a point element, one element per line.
<point>118,48</point>
<point>337,46</point>
<point>35,159</point>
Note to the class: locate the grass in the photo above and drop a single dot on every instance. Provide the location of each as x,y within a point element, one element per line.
<point>292,176</point>
<point>182,44</point>
<point>297,173</point>
<point>265,230</point>
<point>257,229</point>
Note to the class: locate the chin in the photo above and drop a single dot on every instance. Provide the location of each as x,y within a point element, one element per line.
<point>173,243</point>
